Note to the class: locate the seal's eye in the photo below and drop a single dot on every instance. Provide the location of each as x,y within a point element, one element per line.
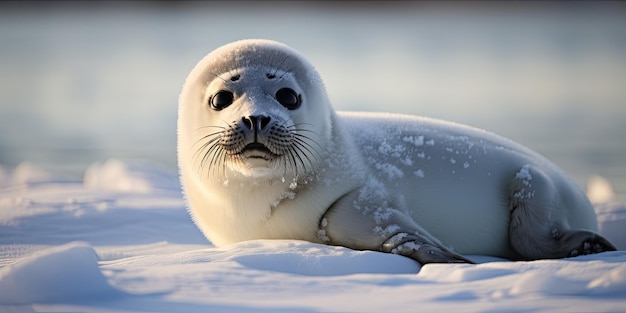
<point>221,99</point>
<point>288,98</point>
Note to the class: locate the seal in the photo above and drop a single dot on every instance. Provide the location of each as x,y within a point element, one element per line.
<point>263,155</point>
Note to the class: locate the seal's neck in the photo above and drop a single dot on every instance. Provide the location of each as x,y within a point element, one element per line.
<point>255,199</point>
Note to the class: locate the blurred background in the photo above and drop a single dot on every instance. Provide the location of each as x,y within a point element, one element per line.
<point>84,82</point>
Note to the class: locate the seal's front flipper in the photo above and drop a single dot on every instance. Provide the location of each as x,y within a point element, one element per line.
<point>388,230</point>
<point>421,249</point>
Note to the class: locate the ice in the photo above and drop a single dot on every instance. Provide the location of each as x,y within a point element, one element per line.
<point>140,252</point>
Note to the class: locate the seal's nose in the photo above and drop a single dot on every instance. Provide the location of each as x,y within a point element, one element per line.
<point>256,122</point>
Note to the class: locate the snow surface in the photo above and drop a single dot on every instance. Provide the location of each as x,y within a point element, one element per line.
<point>122,241</point>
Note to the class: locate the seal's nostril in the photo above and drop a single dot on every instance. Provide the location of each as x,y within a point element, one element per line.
<point>248,121</point>
<point>263,121</point>
<point>256,122</point>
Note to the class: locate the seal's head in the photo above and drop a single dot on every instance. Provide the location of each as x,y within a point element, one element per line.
<point>252,110</point>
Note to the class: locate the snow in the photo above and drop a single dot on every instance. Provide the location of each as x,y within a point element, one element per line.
<point>121,241</point>
<point>67,272</point>
<point>524,175</point>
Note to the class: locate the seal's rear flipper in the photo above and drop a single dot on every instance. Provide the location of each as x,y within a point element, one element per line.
<point>539,229</point>
<point>583,242</point>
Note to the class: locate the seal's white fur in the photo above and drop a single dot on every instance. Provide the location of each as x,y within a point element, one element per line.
<point>393,183</point>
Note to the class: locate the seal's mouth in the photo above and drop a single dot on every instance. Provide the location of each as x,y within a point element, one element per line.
<point>257,151</point>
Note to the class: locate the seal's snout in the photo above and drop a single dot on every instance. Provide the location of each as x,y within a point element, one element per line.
<point>256,122</point>
<point>261,140</point>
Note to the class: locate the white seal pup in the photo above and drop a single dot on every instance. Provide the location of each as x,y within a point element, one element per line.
<point>263,155</point>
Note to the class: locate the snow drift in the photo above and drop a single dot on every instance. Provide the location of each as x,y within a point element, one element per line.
<point>121,240</point>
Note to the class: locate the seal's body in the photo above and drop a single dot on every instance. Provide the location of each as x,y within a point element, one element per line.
<point>263,155</point>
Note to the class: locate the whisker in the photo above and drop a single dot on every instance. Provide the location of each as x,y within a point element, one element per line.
<point>218,76</point>
<point>297,131</point>
<point>299,149</point>
<point>304,148</point>
<point>217,156</point>
<point>209,126</point>
<point>223,158</point>
<point>304,151</point>
<point>219,149</point>
<point>293,163</point>
<point>207,142</point>
<point>208,146</point>
<point>208,151</point>
<point>304,144</point>
<point>279,66</point>
<point>285,73</point>
<point>284,167</point>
